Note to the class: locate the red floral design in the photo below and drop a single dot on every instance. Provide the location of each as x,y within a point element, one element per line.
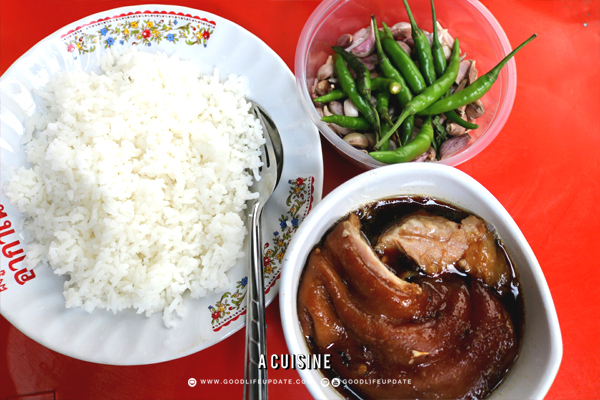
<point>231,304</point>
<point>143,27</point>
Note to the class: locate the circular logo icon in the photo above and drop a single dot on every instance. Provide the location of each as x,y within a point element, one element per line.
<point>325,382</point>
<point>192,382</point>
<point>335,382</point>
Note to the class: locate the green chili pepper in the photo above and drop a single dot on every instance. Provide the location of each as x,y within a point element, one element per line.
<point>355,123</point>
<point>403,62</point>
<point>410,151</point>
<point>335,94</point>
<point>422,49</point>
<point>439,64</point>
<point>454,117</point>
<point>389,85</point>
<point>385,126</point>
<point>439,134</point>
<point>363,76</point>
<point>390,72</point>
<point>474,91</point>
<point>406,130</point>
<point>349,87</point>
<point>431,94</point>
<point>383,101</point>
<point>437,51</point>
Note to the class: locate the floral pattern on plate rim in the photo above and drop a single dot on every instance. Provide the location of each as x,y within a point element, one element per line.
<point>300,199</point>
<point>139,28</point>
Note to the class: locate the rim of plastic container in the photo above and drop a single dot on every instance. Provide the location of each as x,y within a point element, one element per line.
<point>507,96</point>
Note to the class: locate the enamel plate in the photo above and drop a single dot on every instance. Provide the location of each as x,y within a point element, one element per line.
<point>32,300</point>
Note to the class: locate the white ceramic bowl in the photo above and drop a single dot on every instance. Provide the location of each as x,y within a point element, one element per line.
<point>541,352</point>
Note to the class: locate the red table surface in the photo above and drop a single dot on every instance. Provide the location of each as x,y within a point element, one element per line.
<point>544,168</point>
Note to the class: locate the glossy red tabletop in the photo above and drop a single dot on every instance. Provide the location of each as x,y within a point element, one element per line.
<point>544,167</point>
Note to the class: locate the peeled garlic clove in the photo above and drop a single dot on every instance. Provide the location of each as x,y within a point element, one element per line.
<point>401,30</point>
<point>404,46</point>
<point>447,38</point>
<point>371,139</point>
<point>463,69</point>
<point>326,111</point>
<point>313,89</point>
<point>364,43</point>
<point>340,130</point>
<point>429,37</point>
<point>429,155</point>
<point>454,145</point>
<point>357,140</point>
<point>447,52</point>
<point>336,107</point>
<point>454,129</point>
<point>473,73</point>
<point>345,40</point>
<point>367,47</point>
<point>461,86</point>
<point>323,87</point>
<point>350,109</point>
<point>358,38</point>
<point>370,62</point>
<point>475,109</point>
<point>441,33</point>
<point>370,59</point>
<point>325,72</point>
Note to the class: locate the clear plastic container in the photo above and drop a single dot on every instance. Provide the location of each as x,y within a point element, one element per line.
<point>480,35</point>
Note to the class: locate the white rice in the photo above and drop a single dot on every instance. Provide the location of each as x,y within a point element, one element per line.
<point>139,182</point>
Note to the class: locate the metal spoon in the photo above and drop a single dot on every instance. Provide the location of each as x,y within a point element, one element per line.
<point>255,386</point>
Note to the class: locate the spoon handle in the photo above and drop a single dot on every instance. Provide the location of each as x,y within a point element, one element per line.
<point>255,378</point>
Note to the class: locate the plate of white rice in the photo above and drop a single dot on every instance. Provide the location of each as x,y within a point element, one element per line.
<point>128,155</point>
